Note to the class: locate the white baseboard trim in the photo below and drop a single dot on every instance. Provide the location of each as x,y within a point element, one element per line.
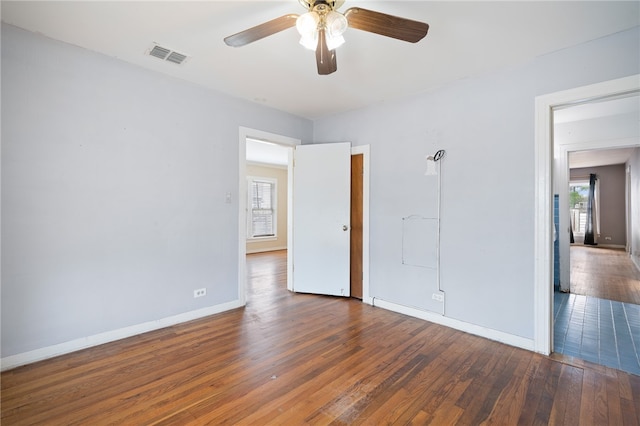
<point>24,358</point>
<point>612,246</point>
<point>488,333</point>
<point>263,250</point>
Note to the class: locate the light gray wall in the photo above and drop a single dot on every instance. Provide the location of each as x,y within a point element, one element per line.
<point>612,201</point>
<point>486,126</point>
<point>113,192</point>
<point>634,164</point>
<point>114,181</point>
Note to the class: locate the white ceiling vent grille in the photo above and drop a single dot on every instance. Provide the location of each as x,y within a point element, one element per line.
<point>176,58</point>
<point>167,54</point>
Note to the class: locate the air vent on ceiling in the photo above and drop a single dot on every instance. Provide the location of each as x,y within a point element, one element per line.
<point>167,54</point>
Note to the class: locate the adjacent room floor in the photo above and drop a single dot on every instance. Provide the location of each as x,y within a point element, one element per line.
<point>601,331</point>
<point>605,273</point>
<point>599,321</point>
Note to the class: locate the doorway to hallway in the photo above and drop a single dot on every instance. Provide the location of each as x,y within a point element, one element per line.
<point>545,175</point>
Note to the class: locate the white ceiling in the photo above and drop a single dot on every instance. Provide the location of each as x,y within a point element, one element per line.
<point>612,120</point>
<point>465,39</point>
<point>599,157</point>
<point>599,109</point>
<point>266,153</point>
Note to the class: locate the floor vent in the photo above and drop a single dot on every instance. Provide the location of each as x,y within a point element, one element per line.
<point>167,54</point>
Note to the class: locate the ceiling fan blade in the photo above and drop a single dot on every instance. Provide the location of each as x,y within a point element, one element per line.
<point>261,31</point>
<point>325,58</point>
<point>386,25</point>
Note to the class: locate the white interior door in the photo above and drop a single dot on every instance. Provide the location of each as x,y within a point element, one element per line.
<point>321,216</point>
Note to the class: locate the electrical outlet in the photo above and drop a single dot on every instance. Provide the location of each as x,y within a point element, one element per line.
<point>607,238</point>
<point>200,292</point>
<point>438,296</point>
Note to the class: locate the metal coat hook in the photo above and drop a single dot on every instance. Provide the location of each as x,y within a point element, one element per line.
<point>431,162</point>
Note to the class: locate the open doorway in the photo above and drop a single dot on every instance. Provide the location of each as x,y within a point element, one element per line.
<point>596,136</point>
<point>545,173</point>
<point>267,196</point>
<point>593,315</point>
<point>265,204</point>
<point>263,140</point>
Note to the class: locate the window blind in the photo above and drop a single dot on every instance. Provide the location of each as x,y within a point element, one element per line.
<point>262,212</point>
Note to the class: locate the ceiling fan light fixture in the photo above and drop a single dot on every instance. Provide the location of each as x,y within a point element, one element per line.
<point>310,42</point>
<point>334,42</point>
<point>307,24</point>
<point>335,24</point>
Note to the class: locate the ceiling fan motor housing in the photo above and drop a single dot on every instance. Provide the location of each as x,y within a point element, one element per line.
<point>330,4</point>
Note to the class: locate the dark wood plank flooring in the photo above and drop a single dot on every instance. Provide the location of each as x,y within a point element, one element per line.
<point>604,273</point>
<point>304,359</point>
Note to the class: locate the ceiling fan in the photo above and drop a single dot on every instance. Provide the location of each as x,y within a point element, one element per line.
<point>321,29</point>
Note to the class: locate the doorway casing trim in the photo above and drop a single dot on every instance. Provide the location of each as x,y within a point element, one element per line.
<point>544,151</point>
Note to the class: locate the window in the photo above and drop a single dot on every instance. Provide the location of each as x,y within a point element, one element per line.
<point>261,217</point>
<point>578,200</point>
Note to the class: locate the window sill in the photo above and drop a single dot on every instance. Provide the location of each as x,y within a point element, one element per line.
<point>260,239</point>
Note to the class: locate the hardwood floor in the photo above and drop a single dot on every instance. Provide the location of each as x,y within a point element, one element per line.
<point>604,273</point>
<point>304,359</point>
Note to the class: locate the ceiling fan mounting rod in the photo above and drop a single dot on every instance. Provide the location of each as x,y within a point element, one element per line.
<point>312,5</point>
<point>321,7</point>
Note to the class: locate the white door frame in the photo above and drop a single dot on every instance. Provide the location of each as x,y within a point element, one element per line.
<point>627,200</point>
<point>246,132</point>
<point>543,221</point>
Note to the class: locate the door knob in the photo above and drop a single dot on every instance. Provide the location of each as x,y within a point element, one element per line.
<point>345,228</point>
